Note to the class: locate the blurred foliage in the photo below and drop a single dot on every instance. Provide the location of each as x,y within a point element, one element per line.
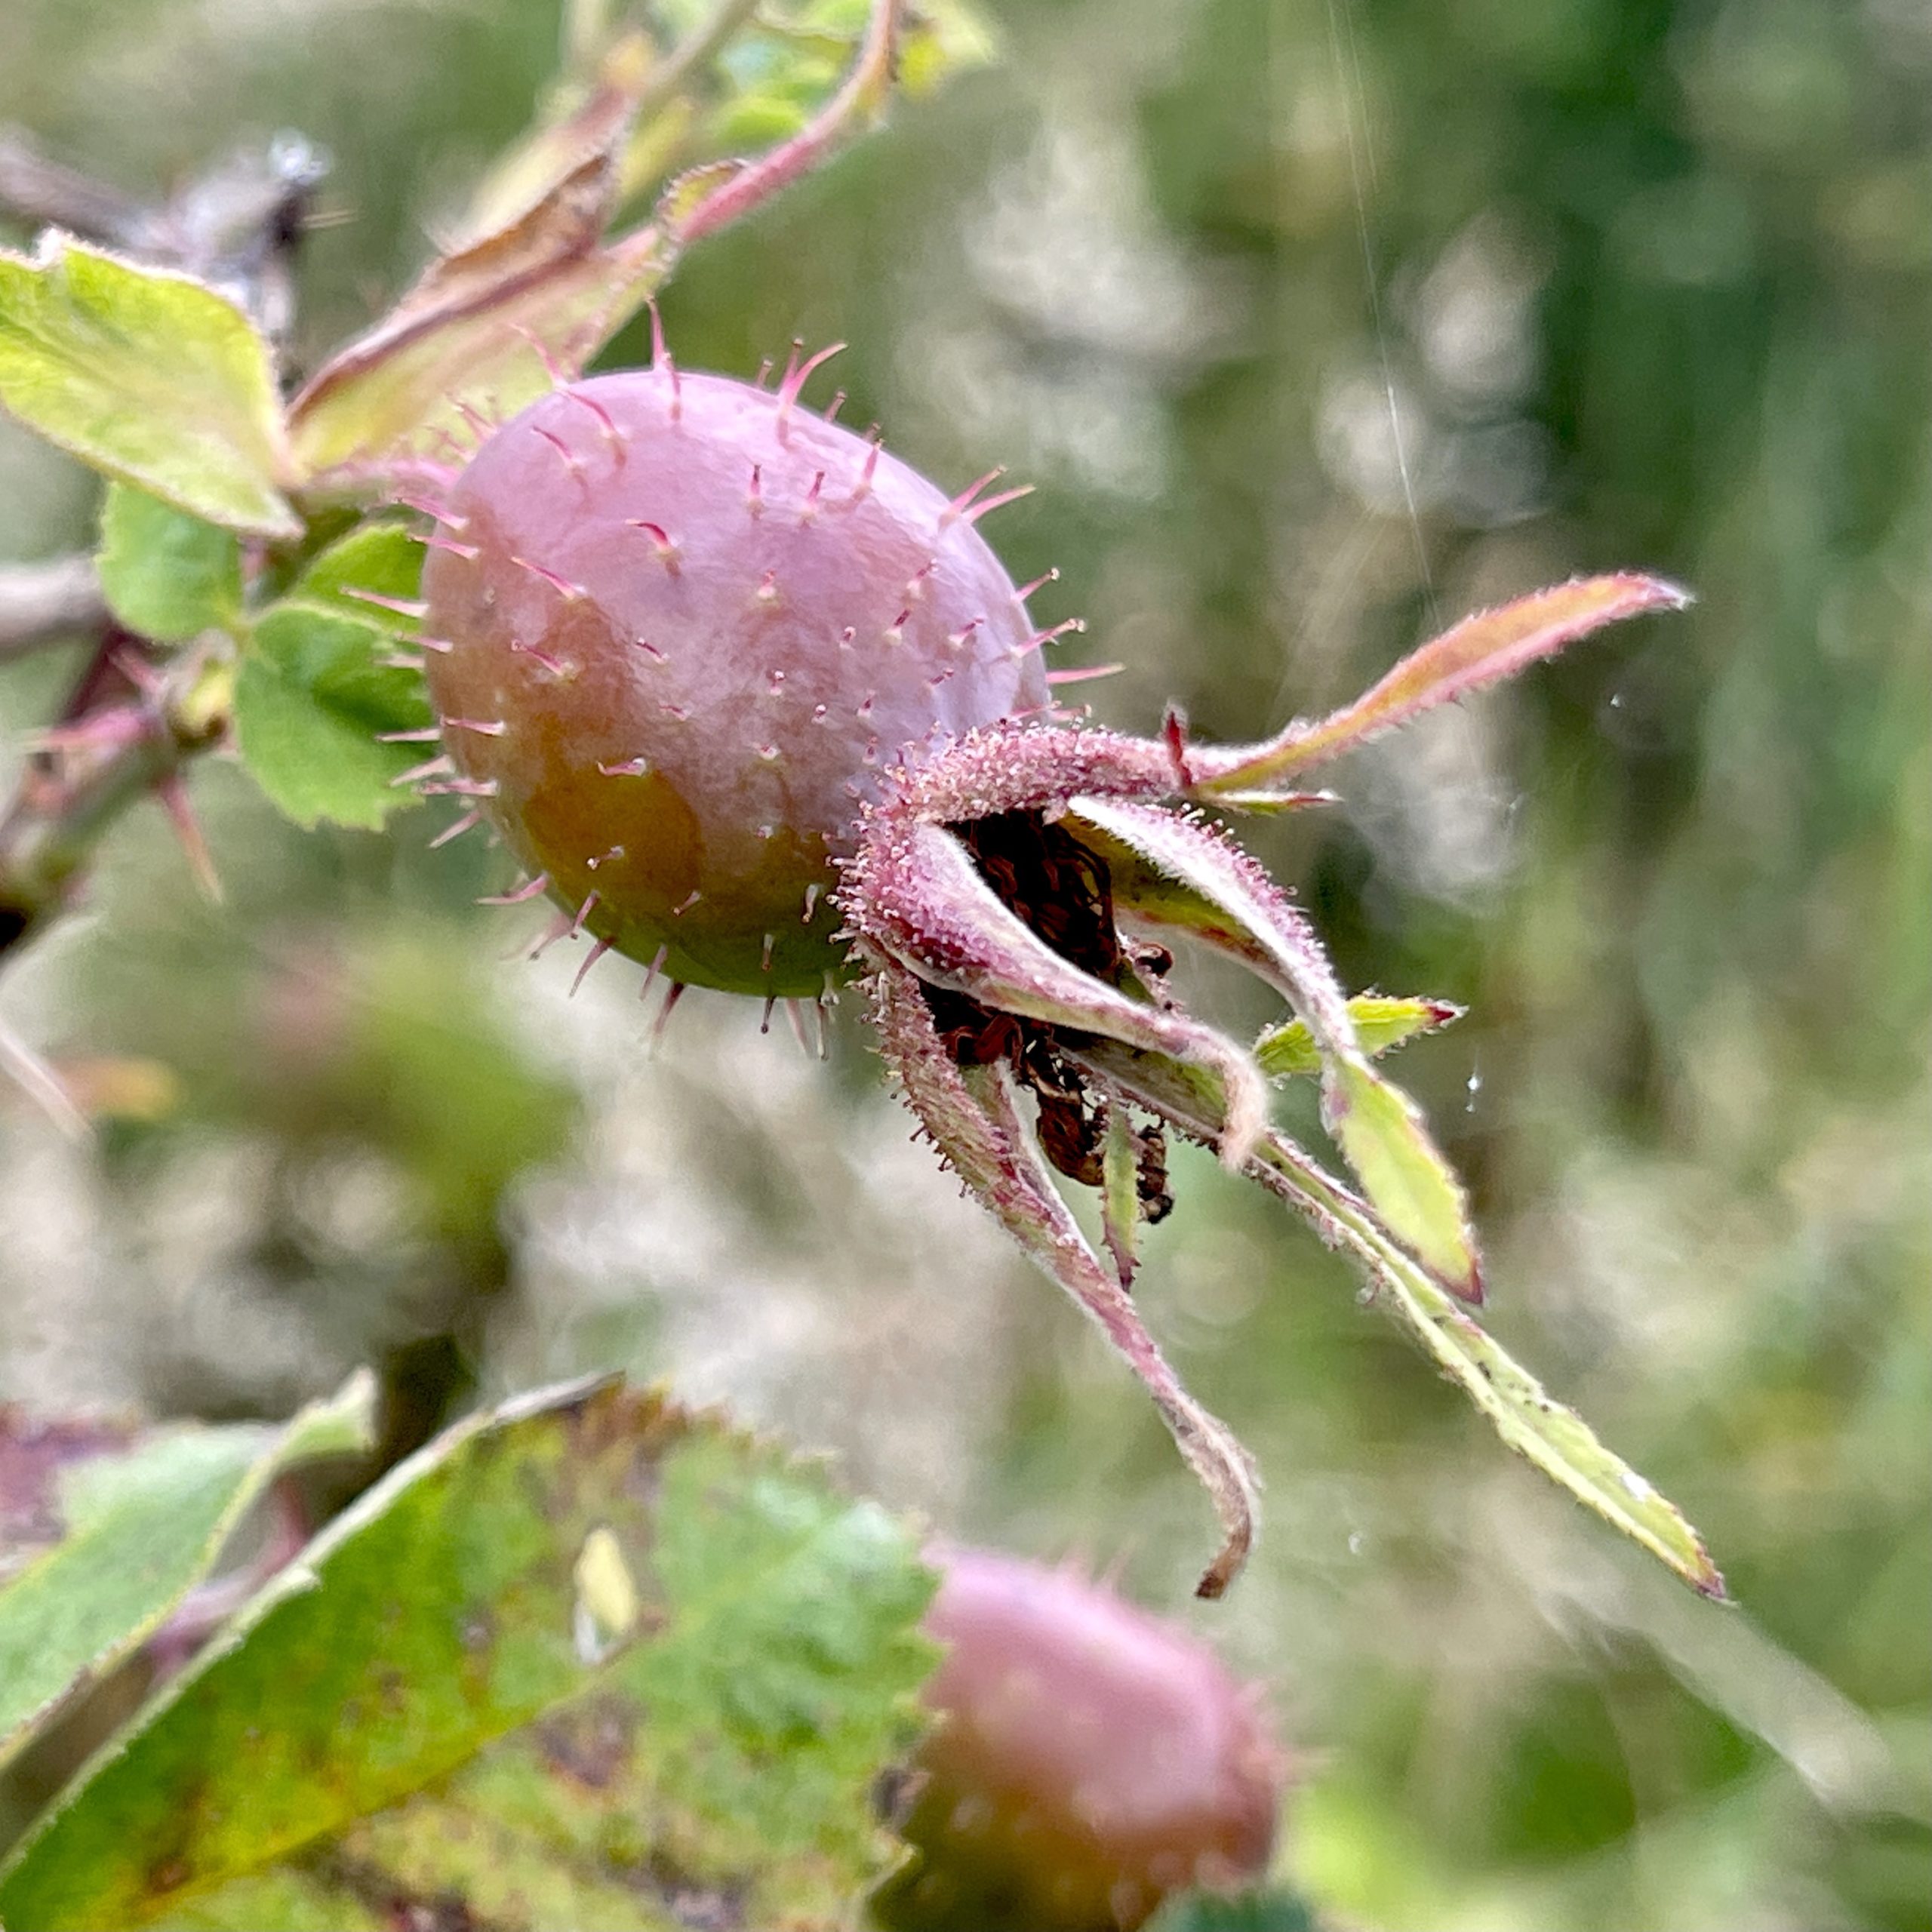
<point>1311,318</point>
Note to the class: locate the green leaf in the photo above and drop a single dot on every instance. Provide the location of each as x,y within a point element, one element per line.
<point>152,377</point>
<point>1557,1439</point>
<point>110,1530</point>
<point>385,559</point>
<point>166,574</point>
<point>1285,1052</point>
<point>310,698</point>
<point>585,1660</point>
<point>1252,1912</point>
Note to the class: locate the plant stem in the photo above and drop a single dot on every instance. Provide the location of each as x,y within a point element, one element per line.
<point>46,603</point>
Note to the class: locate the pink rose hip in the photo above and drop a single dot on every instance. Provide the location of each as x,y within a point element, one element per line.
<point>691,626</point>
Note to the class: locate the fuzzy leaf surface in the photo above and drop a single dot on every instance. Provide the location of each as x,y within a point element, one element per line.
<point>1289,1051</point>
<point>151,377</point>
<point>1556,1439</point>
<point>1482,650</point>
<point>310,699</point>
<point>107,1530</point>
<point>428,1713</point>
<point>164,574</point>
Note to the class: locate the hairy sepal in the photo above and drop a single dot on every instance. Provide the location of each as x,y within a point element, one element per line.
<point>1381,1024</point>
<point>1184,873</point>
<point>976,1127</point>
<point>1481,650</point>
<point>920,898</point>
<point>1553,1438</point>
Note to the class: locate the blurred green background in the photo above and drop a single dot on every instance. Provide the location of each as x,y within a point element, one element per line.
<point>1314,321</point>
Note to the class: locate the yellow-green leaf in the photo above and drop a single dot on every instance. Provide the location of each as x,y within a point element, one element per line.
<point>150,376</point>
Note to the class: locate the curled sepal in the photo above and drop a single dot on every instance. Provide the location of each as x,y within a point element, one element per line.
<point>1381,1023</point>
<point>1481,650</point>
<point>1556,1439</point>
<point>1168,870</point>
<point>977,1129</point>
<point>918,896</point>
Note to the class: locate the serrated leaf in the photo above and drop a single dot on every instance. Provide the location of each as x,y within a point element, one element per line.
<point>111,1529</point>
<point>1481,650</point>
<point>1557,1439</point>
<point>383,559</point>
<point>149,375</point>
<point>310,698</point>
<point>408,1719</point>
<point>166,574</point>
<point>1289,1051</point>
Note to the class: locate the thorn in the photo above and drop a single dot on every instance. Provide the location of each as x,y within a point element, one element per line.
<point>796,374</point>
<point>404,606</point>
<point>557,928</point>
<point>605,858</point>
<point>484,728</point>
<point>821,713</point>
<point>766,592</point>
<point>832,408</point>
<point>769,754</point>
<point>427,735</point>
<point>765,952</point>
<point>1084,675</point>
<point>572,462</point>
<point>667,551</point>
<point>679,712</point>
<point>764,1018</point>
<point>767,832</point>
<point>763,374</point>
<point>673,993</point>
<point>583,913</point>
<point>995,503</point>
<point>571,593</point>
<point>960,503</point>
<point>630,768</point>
<point>690,899</point>
<point>469,552</point>
<point>812,892</point>
<point>531,888</point>
<point>1040,638</point>
<point>873,439</point>
<point>606,422</point>
<point>556,667</point>
<point>436,512</point>
<point>845,638</point>
<point>172,790</point>
<point>895,631</point>
<point>755,495</point>
<point>479,424</point>
<point>1045,577</point>
<point>456,829</point>
<point>651,651</point>
<point>441,646</point>
<point>558,379</point>
<point>795,1014</point>
<point>809,508</point>
<point>957,639</point>
<point>1173,735</point>
<point>660,358</point>
<point>651,971</point>
<point>597,952</point>
<point>461,788</point>
<point>432,767</point>
<point>915,584</point>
